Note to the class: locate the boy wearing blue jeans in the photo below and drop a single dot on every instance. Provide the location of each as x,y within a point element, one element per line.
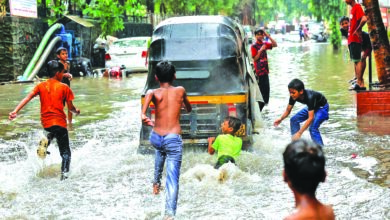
<point>165,136</point>
<point>314,113</point>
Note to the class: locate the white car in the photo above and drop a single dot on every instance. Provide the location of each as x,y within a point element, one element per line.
<point>128,53</point>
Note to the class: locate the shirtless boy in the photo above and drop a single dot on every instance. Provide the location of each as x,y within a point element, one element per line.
<point>304,169</point>
<point>165,136</point>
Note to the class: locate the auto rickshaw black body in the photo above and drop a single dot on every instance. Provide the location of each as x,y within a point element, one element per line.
<point>212,63</point>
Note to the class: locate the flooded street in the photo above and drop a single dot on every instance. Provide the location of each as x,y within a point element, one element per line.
<point>110,180</point>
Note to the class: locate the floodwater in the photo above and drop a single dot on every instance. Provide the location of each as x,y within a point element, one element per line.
<point>109,180</point>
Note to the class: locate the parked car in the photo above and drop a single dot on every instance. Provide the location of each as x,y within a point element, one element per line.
<point>130,53</point>
<point>212,63</point>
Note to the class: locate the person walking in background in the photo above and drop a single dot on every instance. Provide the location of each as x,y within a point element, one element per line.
<point>165,136</point>
<point>301,34</point>
<point>306,32</point>
<point>62,56</point>
<point>314,113</point>
<point>355,41</point>
<point>227,144</point>
<point>366,44</point>
<point>304,169</point>
<point>260,60</point>
<point>52,94</point>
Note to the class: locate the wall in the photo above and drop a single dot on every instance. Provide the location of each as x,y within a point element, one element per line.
<point>373,102</point>
<point>19,39</point>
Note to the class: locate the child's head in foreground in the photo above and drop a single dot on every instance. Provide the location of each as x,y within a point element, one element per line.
<point>165,71</point>
<point>304,166</point>
<point>53,67</point>
<point>230,125</point>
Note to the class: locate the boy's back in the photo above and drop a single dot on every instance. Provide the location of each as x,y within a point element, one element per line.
<point>168,102</point>
<point>52,94</point>
<point>313,212</point>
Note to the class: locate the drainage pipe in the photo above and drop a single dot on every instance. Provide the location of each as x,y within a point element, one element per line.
<point>40,49</point>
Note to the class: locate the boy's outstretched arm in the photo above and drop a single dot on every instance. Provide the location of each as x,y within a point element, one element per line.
<point>144,118</point>
<point>274,44</point>
<point>210,148</point>
<point>187,102</point>
<point>12,115</point>
<point>285,114</point>
<point>72,108</point>
<point>308,122</point>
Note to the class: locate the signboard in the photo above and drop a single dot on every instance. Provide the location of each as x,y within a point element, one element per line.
<point>23,8</point>
<point>384,16</point>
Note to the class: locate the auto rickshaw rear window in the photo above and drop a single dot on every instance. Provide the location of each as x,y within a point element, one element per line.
<point>192,74</point>
<point>130,43</point>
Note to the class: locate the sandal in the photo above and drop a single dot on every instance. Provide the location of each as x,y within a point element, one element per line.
<point>356,87</point>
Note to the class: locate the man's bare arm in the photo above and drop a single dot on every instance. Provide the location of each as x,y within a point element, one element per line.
<point>187,102</point>
<point>144,118</point>
<point>362,22</point>
<point>285,114</point>
<point>210,148</point>
<point>305,125</point>
<point>72,108</point>
<point>274,44</point>
<point>12,115</point>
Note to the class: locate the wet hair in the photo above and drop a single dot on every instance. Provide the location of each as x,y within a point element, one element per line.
<point>304,165</point>
<point>296,84</point>
<point>259,31</point>
<point>58,51</point>
<point>342,19</point>
<point>165,71</point>
<point>54,67</point>
<point>234,123</point>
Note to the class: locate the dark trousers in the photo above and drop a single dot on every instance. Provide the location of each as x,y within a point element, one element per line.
<point>61,135</point>
<point>263,82</point>
<point>224,159</point>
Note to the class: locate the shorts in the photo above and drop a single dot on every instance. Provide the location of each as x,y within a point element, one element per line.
<point>366,53</point>
<point>355,51</point>
<point>224,159</point>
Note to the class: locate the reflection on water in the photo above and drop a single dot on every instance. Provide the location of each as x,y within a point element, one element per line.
<point>109,180</point>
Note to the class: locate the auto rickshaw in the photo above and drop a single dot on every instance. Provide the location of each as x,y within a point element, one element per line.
<point>211,59</point>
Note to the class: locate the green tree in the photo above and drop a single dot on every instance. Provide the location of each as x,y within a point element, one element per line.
<point>330,11</point>
<point>110,13</point>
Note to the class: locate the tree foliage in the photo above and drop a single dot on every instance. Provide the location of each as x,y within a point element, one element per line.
<point>110,13</point>
<point>330,11</point>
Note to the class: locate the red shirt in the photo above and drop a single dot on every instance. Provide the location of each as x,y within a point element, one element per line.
<point>355,16</point>
<point>261,65</point>
<point>53,94</point>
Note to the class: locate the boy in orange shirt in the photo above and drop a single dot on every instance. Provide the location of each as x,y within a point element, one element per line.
<point>52,94</point>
